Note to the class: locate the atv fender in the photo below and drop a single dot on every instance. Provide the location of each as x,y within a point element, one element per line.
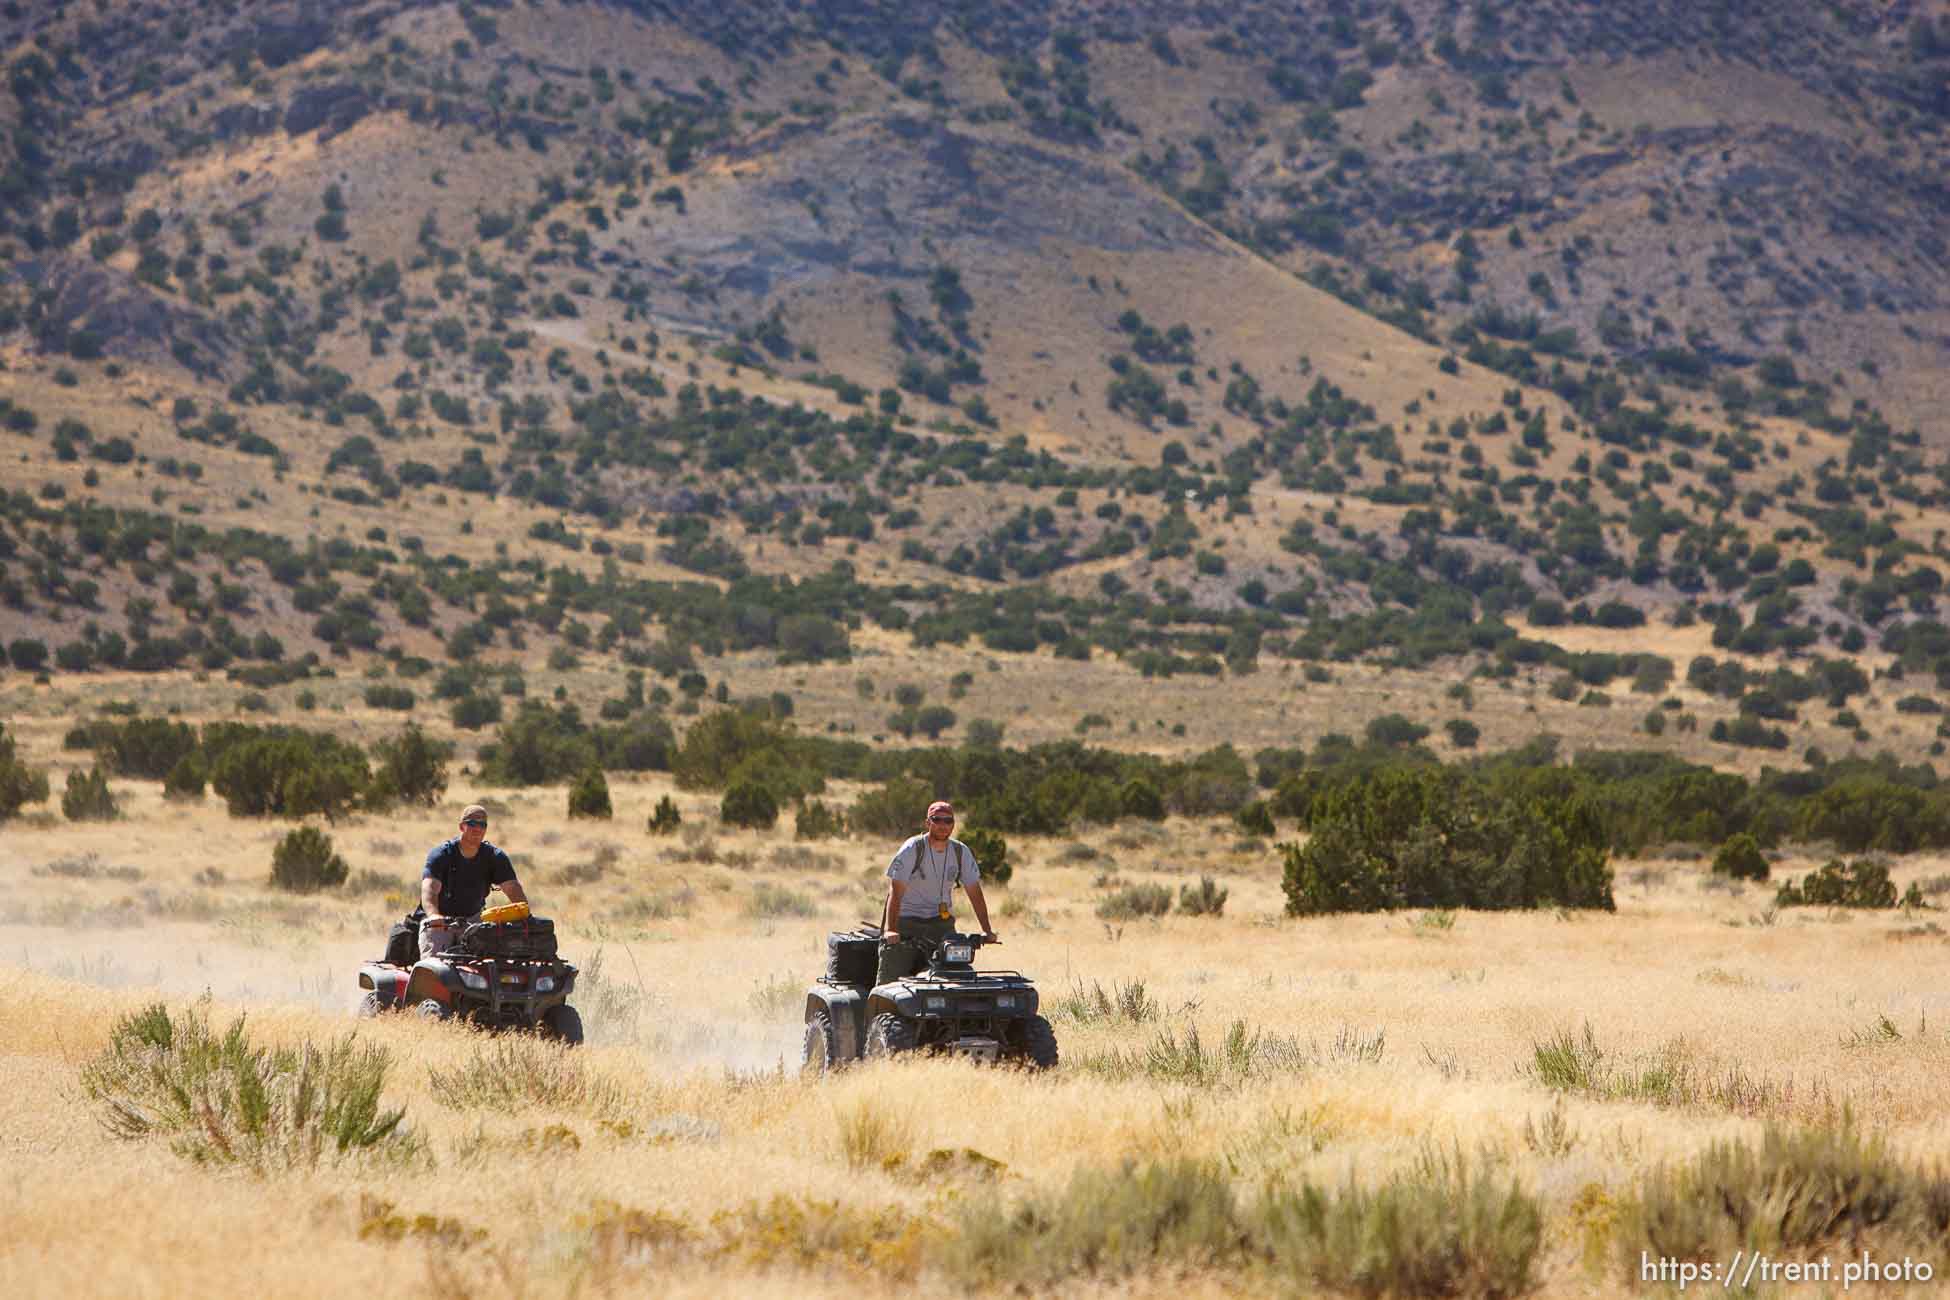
<point>431,981</point>
<point>899,998</point>
<point>389,982</point>
<point>846,1007</point>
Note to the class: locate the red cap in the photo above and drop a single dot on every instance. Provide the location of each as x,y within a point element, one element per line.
<point>941,806</point>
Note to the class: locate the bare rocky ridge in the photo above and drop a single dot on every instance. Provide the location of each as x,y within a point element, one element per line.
<point>870,198</point>
<point>114,312</point>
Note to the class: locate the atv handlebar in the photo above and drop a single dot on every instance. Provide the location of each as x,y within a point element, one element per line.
<point>976,940</point>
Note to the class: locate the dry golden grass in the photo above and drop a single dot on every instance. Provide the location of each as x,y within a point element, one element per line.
<point>661,1160</point>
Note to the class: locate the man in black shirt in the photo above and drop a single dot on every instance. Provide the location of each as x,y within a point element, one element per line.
<point>459,872</point>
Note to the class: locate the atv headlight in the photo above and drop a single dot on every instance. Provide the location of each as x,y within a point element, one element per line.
<point>1006,1002</point>
<point>957,952</point>
<point>937,1004</point>
<point>545,983</point>
<point>473,979</point>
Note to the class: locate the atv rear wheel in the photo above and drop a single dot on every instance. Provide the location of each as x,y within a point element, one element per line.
<point>889,1035</point>
<point>432,1009</point>
<point>562,1023</point>
<point>1039,1043</point>
<point>371,1003</point>
<point>820,1051</point>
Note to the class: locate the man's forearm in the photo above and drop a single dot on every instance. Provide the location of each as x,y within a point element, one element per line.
<point>430,897</point>
<point>514,891</point>
<point>981,906</point>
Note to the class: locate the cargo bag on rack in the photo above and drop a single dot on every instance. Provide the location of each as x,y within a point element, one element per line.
<point>532,939</point>
<point>852,956</point>
<point>403,940</point>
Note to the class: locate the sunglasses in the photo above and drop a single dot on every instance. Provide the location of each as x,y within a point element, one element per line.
<point>476,822</point>
<point>949,820</point>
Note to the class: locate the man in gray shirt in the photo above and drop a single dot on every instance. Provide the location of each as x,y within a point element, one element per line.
<point>921,882</point>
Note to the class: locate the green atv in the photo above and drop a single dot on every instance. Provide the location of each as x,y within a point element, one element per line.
<point>950,1008</point>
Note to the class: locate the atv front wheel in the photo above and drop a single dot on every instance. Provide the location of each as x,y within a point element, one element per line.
<point>820,1051</point>
<point>1039,1043</point>
<point>371,1004</point>
<point>889,1035</point>
<point>563,1023</point>
<point>432,1009</point>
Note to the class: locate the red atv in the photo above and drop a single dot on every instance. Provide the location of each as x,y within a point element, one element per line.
<point>498,974</point>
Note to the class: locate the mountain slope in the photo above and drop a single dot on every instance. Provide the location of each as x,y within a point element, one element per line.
<point>1133,328</point>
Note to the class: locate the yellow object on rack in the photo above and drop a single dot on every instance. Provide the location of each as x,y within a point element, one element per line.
<point>506,912</point>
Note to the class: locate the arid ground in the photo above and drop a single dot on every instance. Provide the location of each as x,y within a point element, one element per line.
<point>681,1153</point>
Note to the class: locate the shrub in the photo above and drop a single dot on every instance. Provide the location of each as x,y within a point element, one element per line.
<point>382,696</point>
<point>1463,733</point>
<point>816,821</point>
<point>279,773</point>
<point>811,638</point>
<point>87,798</point>
<point>1545,611</point>
<point>149,748</point>
<point>1133,901</point>
<point>933,720</point>
<point>539,746</point>
<point>19,784</point>
<point>589,796</point>
<point>1870,813</point>
<point>1206,900</point>
<point>1109,1223</point>
<point>1410,837</point>
<point>1618,614</point>
<point>516,1073</point>
<point>1860,883</point>
<point>894,808</point>
<point>1741,858</point>
<point>716,746</point>
<point>983,733</point>
<point>28,655</point>
<point>412,769</point>
<point>1127,1003</point>
<point>1749,731</point>
<point>304,863</point>
<point>1256,818</point>
<point>644,744</point>
<point>1797,1189</point>
<point>1244,1053</point>
<point>1440,1229</point>
<point>1140,798</point>
<point>1394,729</point>
<point>872,1134</point>
<point>185,780</point>
<point>471,712</point>
<point>814,1236</point>
<point>222,1101</point>
<point>991,853</point>
<point>749,804</point>
<point>665,819</point>
<point>769,900</point>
